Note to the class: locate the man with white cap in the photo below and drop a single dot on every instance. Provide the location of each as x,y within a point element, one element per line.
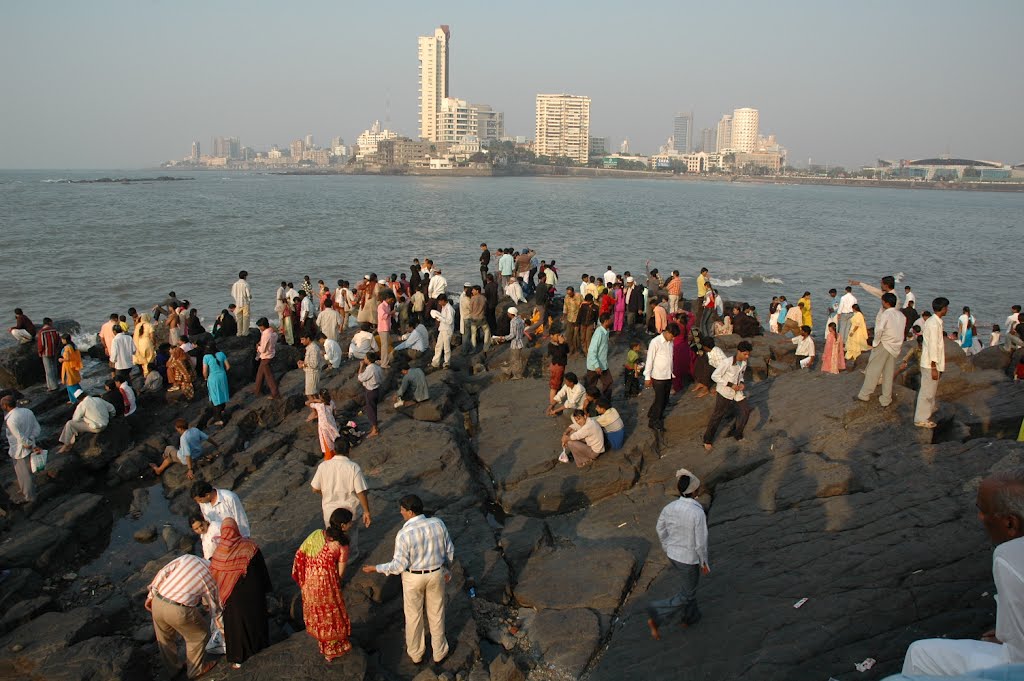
<point>634,302</point>
<point>517,343</point>
<point>683,531</point>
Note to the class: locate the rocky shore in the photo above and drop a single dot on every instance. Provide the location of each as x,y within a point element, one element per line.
<point>830,499</point>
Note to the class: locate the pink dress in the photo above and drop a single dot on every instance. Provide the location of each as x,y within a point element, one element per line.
<point>619,320</point>
<point>683,358</point>
<point>833,358</point>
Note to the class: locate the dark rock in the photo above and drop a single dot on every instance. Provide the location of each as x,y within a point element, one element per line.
<point>298,657</point>
<point>20,366</point>
<point>24,611</point>
<point>991,358</point>
<point>145,535</point>
<point>107,657</point>
<point>504,668</point>
<point>49,635</point>
<point>548,631</point>
<point>35,545</point>
<point>144,633</point>
<point>546,583</point>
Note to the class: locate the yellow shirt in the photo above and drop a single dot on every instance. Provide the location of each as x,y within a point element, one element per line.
<point>806,311</point>
<point>702,287</point>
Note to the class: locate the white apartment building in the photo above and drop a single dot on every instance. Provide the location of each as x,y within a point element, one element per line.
<point>563,127</point>
<point>433,77</point>
<point>744,130</point>
<point>368,139</point>
<point>723,142</point>
<point>458,120</point>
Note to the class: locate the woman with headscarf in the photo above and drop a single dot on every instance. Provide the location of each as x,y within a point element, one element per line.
<point>242,584</point>
<point>318,568</point>
<point>180,373</point>
<point>145,344</point>
<point>215,371</point>
<point>70,367</point>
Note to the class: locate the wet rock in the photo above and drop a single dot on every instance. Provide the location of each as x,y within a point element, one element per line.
<point>174,540</point>
<point>35,545</point>
<point>20,366</point>
<point>504,668</point>
<point>145,535</point>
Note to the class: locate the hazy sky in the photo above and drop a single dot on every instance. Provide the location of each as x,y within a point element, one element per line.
<point>128,84</point>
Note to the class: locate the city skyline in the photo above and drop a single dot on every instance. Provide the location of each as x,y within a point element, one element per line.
<point>154,86</point>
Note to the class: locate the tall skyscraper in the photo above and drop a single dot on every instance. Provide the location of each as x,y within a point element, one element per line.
<point>195,150</point>
<point>563,127</point>
<point>708,140</point>
<point>227,147</point>
<point>433,58</point>
<point>724,134</point>
<point>682,134</point>
<point>744,129</point>
<point>309,141</point>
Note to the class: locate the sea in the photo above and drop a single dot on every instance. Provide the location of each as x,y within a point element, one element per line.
<point>84,251</point>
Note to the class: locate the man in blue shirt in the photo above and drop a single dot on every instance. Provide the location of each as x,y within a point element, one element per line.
<point>597,358</point>
<point>190,446</point>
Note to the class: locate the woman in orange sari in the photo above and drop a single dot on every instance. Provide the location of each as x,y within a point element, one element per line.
<point>70,367</point>
<point>242,583</point>
<point>180,373</point>
<point>318,568</point>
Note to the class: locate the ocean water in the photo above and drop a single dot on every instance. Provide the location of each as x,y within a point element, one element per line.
<point>83,251</point>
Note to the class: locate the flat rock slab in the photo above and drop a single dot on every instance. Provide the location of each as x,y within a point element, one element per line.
<point>566,639</point>
<point>296,658</point>
<point>564,579</point>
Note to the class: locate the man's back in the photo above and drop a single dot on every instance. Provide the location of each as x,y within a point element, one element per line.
<point>339,480</point>
<point>1008,572</point>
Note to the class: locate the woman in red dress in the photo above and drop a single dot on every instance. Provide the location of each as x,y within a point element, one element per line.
<point>318,568</point>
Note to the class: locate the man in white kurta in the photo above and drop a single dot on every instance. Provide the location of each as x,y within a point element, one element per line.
<point>242,294</point>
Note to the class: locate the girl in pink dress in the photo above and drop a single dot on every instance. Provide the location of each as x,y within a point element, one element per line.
<point>833,359</point>
<point>619,320</point>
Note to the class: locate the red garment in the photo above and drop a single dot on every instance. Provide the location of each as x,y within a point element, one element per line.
<point>230,560</point>
<point>683,359</point>
<point>1020,371</point>
<point>315,570</point>
<point>607,303</point>
<point>48,342</point>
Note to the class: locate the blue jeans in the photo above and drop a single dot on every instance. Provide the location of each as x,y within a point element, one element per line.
<point>684,603</point>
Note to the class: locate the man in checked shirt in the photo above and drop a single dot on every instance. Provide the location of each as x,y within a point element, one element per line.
<point>423,556</point>
<point>174,597</point>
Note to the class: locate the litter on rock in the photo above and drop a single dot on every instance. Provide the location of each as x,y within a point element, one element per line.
<point>800,602</point>
<point>623,524</point>
<point>865,665</point>
<point>917,572</point>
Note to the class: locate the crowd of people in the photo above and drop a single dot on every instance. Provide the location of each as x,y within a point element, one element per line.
<point>670,344</point>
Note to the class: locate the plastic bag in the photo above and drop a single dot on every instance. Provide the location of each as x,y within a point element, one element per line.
<point>38,461</point>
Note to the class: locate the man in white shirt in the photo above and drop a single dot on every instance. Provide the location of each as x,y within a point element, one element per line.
<point>889,335</point>
<point>658,374</point>
<point>22,431</point>
<point>845,310</point>
<point>362,342</point>
<point>609,276</point>
<point>91,416</point>
<point>332,353</point>
<point>731,394</point>
<point>306,319</point>
<point>416,342</point>
<point>804,347</point>
<point>583,440</point>
<point>933,363</point>
<point>341,484</point>
<point>125,388</point>
<point>242,294</point>
<point>437,286</point>
<point>683,532</point>
<point>445,316</point>
<point>1000,499</point>
<point>329,323</point>
<point>218,504</point>
<point>908,297</point>
<point>121,352</point>
<point>569,398</point>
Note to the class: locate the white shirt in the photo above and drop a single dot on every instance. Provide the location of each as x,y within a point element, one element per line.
<point>417,339</point>
<point>94,412</point>
<point>911,298</point>
<point>591,434</point>
<point>683,531</point>
<point>658,365</point>
<point>804,346</point>
<point>362,343</point>
<point>437,286</point>
<point>934,348</point>
<point>573,397</point>
<point>329,321</point>
<point>445,318</point>
<point>609,278</point>
<point>716,356</point>
<point>729,372</point>
<point>371,376</point>
<point>291,294</point>
<point>209,540</point>
<point>121,351</point>
<point>341,297</point>
<point>305,309</point>
<point>1012,321</point>
<point>22,431</point>
<point>1008,572</point>
<point>228,505</point>
<point>332,351</point>
<point>340,480</point>
<point>129,397</point>
<point>241,292</point>
<point>890,331</point>
<point>846,303</point>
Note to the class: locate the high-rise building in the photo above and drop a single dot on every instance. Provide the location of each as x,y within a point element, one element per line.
<point>309,141</point>
<point>598,146</point>
<point>744,130</point>
<point>723,136</point>
<point>433,76</point>
<point>708,140</point>
<point>457,119</point>
<point>490,124</point>
<point>367,141</point>
<point>563,127</point>
<point>683,132</point>
<point>195,150</point>
<point>227,147</point>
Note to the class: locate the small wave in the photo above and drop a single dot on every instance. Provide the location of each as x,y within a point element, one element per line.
<point>60,180</point>
<point>726,283</point>
<point>768,279</point>
<point>899,277</point>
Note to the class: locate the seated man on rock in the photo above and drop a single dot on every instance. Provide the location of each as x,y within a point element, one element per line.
<point>190,446</point>
<point>610,421</point>
<point>583,439</point>
<point>569,398</point>
<point>362,342</point>
<point>1001,511</point>
<point>415,342</point>
<point>413,388</point>
<point>91,415</point>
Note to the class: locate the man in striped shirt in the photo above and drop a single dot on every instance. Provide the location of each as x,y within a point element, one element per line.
<point>174,597</point>
<point>423,555</point>
<point>48,345</point>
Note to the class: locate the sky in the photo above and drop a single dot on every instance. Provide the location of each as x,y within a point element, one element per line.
<point>131,83</point>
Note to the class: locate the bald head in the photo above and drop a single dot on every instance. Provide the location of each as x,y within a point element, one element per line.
<point>1001,505</point>
<point>7,403</point>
